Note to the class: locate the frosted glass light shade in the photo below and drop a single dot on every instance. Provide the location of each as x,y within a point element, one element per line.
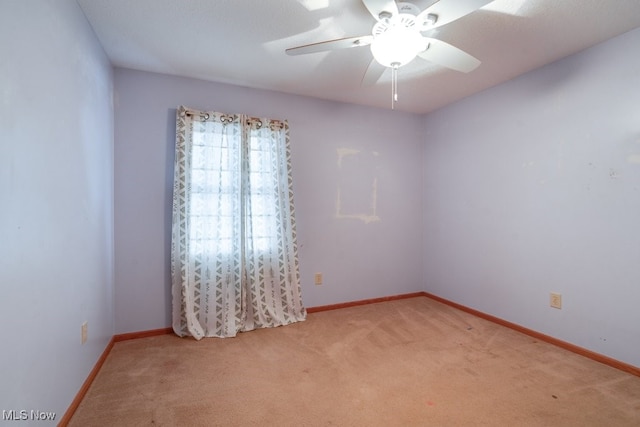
<point>398,45</point>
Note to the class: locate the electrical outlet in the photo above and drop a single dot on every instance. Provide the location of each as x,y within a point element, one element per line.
<point>318,279</point>
<point>83,333</point>
<point>555,300</point>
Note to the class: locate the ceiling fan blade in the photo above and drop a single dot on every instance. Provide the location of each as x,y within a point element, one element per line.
<point>449,10</point>
<point>330,45</point>
<point>449,56</point>
<point>376,7</point>
<point>373,73</point>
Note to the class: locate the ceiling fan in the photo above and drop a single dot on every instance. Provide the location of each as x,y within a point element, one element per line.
<point>396,37</point>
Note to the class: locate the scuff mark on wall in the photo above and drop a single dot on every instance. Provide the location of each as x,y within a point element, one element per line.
<point>357,193</point>
<point>613,174</point>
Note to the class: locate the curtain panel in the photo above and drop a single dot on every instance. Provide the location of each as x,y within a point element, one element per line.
<point>234,259</point>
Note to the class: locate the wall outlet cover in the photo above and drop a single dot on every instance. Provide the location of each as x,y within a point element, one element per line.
<point>84,332</point>
<point>555,300</point>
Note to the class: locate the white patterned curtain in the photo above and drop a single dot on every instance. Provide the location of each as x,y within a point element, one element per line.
<point>233,252</point>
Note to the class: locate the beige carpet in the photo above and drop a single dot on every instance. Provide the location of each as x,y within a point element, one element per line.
<point>412,362</point>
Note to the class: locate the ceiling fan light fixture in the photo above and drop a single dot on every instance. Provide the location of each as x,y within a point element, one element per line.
<point>397,45</point>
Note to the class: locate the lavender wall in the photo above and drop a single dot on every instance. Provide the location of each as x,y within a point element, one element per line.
<point>370,156</point>
<point>533,187</point>
<point>56,198</point>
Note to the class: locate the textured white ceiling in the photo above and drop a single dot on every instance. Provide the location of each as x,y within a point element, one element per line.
<point>243,42</point>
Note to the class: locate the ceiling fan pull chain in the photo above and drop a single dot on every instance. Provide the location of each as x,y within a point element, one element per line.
<point>394,84</point>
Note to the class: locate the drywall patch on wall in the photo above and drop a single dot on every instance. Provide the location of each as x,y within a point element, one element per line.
<point>634,158</point>
<point>357,193</point>
<point>343,152</point>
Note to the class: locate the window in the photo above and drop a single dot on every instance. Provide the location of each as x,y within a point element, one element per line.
<point>234,254</point>
<point>219,195</point>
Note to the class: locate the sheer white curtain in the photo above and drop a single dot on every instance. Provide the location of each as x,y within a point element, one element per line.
<point>233,251</point>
